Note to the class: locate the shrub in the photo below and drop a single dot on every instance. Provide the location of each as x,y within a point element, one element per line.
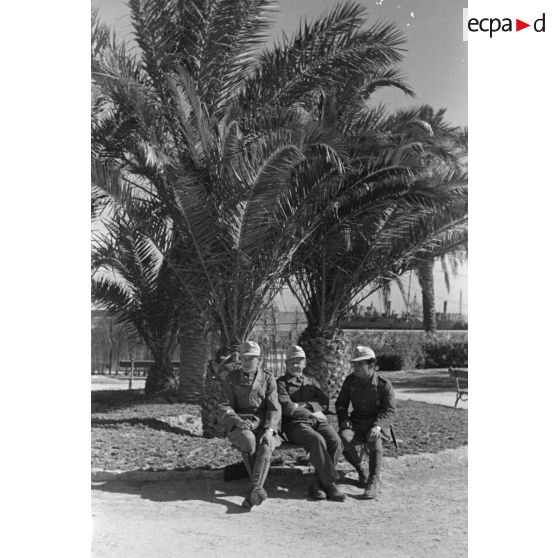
<point>397,350</point>
<point>389,362</point>
<point>407,345</point>
<point>442,354</point>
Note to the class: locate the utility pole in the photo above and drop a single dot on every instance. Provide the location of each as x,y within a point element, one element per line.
<point>460,300</point>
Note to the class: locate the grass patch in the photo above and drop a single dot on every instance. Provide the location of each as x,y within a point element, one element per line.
<point>129,432</point>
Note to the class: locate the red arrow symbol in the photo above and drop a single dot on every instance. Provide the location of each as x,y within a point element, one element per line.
<point>519,25</point>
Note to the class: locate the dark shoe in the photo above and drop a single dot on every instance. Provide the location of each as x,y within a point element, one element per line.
<point>255,498</point>
<point>362,478</point>
<point>333,493</point>
<point>315,490</point>
<point>371,489</point>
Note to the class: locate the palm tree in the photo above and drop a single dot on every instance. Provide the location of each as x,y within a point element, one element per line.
<point>130,279</point>
<point>394,209</point>
<point>217,131</point>
<point>425,274</point>
<point>454,141</point>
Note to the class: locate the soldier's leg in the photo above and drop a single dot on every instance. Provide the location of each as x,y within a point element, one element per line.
<point>315,444</point>
<point>376,453</point>
<point>350,452</point>
<point>259,473</point>
<point>332,440</point>
<point>350,437</point>
<point>245,441</point>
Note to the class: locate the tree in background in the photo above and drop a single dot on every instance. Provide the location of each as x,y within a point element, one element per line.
<point>450,153</point>
<point>130,279</point>
<point>395,210</point>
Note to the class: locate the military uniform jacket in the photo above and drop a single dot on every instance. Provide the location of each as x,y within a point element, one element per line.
<point>252,397</point>
<point>373,401</point>
<point>304,390</point>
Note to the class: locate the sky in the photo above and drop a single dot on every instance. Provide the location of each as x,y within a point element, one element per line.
<point>435,65</point>
<point>436,61</point>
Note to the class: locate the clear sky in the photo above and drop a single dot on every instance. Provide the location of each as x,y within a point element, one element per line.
<point>435,66</point>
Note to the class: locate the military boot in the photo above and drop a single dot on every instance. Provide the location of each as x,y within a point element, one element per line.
<point>259,473</point>
<point>333,493</point>
<point>371,488</point>
<point>373,482</point>
<point>352,458</point>
<point>248,460</point>
<point>315,490</point>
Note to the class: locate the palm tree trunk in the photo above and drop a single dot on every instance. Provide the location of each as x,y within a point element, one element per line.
<point>161,377</point>
<point>425,272</point>
<point>326,357</point>
<point>194,352</point>
<point>216,371</point>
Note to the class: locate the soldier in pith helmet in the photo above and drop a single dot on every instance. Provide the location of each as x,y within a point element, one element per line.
<point>373,408</point>
<point>303,402</point>
<point>251,413</point>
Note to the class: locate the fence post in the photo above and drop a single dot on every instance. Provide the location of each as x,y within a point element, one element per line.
<point>131,376</point>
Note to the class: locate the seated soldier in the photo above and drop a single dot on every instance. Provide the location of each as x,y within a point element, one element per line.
<point>251,414</point>
<point>304,423</point>
<point>373,401</point>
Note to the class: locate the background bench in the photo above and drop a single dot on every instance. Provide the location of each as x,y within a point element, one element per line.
<point>461,384</point>
<point>141,366</point>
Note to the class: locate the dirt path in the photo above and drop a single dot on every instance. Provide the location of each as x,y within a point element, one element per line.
<point>422,512</point>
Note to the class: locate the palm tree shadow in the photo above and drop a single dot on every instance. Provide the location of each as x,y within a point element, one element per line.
<point>228,494</point>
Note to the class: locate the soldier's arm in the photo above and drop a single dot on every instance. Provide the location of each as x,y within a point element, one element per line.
<point>272,405</point>
<point>320,400</point>
<point>287,405</point>
<point>387,414</point>
<point>343,402</point>
<point>228,416</point>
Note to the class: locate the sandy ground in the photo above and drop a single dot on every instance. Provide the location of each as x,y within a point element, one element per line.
<point>422,512</point>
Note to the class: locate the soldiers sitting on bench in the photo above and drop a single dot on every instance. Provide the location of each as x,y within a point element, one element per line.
<point>251,415</point>
<point>373,407</point>
<point>304,423</point>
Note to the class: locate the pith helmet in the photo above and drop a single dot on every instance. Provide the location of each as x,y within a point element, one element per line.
<point>362,353</point>
<point>250,348</point>
<point>294,351</point>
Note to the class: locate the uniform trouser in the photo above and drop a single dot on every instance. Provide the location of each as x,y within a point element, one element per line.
<point>352,437</point>
<point>257,455</point>
<point>324,445</point>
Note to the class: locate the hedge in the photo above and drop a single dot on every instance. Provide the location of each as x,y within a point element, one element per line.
<point>406,350</point>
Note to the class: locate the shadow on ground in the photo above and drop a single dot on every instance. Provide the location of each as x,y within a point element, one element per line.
<point>228,494</point>
<point>282,485</point>
<point>152,423</point>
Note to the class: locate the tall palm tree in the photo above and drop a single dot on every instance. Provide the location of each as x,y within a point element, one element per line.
<point>217,131</point>
<point>394,210</point>
<point>453,141</point>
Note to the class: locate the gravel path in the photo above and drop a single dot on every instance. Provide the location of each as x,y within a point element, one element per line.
<point>422,512</point>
